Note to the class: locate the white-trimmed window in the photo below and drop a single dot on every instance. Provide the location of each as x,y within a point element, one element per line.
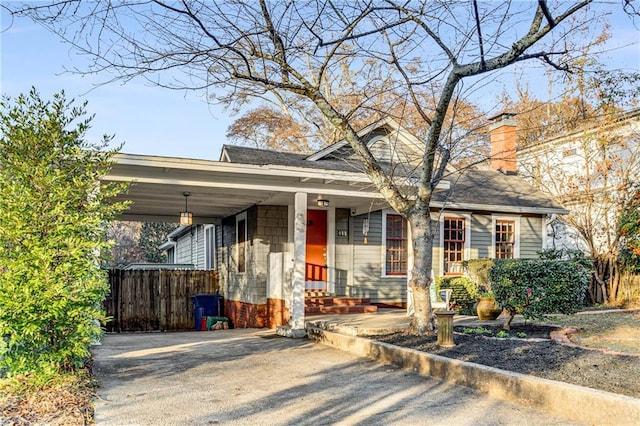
<point>455,240</point>
<point>395,236</point>
<point>209,247</point>
<point>241,242</point>
<point>505,239</point>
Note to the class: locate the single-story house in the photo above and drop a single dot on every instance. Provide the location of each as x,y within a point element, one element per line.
<point>279,225</point>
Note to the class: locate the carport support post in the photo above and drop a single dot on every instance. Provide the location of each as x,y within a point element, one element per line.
<point>299,257</point>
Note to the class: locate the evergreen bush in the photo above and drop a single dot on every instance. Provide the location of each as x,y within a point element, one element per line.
<point>464,292</point>
<point>53,209</point>
<point>536,287</point>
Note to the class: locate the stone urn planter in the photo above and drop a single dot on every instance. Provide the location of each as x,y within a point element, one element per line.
<point>487,309</point>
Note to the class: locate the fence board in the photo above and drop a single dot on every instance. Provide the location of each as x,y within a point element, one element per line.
<point>145,300</point>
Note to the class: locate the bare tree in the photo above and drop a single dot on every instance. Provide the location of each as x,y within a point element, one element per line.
<point>593,172</point>
<point>296,50</point>
<point>584,150</point>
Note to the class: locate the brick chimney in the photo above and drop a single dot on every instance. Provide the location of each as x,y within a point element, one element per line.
<point>503,143</point>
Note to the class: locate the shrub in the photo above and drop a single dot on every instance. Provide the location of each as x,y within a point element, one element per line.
<point>567,254</point>
<point>535,287</point>
<point>52,215</point>
<point>464,292</point>
<point>478,271</point>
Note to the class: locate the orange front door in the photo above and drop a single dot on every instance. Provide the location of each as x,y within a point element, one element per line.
<point>316,262</point>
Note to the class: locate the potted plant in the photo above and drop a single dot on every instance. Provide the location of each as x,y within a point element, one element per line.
<point>487,309</point>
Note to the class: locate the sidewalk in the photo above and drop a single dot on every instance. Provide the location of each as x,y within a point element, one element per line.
<point>386,321</point>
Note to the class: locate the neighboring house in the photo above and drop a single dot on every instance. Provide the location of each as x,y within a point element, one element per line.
<point>591,172</point>
<point>194,245</point>
<point>290,223</point>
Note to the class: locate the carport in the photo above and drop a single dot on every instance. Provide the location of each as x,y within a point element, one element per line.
<point>219,189</point>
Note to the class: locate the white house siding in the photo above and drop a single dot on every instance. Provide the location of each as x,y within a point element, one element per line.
<point>558,166</point>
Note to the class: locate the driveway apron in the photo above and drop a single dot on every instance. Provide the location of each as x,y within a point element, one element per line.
<point>253,377</point>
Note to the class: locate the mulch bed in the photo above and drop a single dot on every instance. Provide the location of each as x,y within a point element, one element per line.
<point>536,355</point>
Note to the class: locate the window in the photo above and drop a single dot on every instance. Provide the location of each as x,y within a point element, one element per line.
<point>209,247</point>
<point>505,238</point>
<point>241,240</point>
<point>396,245</point>
<point>454,243</point>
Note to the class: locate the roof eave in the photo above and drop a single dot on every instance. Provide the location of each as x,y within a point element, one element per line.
<point>499,208</point>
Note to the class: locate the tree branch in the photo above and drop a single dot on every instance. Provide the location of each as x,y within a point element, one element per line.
<point>483,65</point>
<point>542,4</point>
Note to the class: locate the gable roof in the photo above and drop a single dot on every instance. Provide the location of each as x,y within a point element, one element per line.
<point>471,189</point>
<point>491,190</point>
<point>386,125</point>
<point>263,157</point>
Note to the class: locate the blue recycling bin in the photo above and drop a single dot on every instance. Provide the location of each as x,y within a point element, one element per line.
<point>205,305</point>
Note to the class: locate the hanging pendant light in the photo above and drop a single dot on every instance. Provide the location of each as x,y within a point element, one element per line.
<point>186,217</point>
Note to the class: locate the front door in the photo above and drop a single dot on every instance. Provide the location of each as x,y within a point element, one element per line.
<point>316,261</point>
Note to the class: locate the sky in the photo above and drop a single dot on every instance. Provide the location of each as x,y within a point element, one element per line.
<point>156,121</point>
<point>148,120</point>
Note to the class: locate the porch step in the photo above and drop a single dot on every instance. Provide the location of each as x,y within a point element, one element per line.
<point>315,293</point>
<point>338,305</point>
<point>336,301</point>
<point>336,309</point>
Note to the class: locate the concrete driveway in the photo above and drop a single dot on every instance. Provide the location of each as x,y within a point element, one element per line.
<point>252,377</point>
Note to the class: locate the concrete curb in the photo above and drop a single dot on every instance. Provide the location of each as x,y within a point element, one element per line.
<point>573,402</point>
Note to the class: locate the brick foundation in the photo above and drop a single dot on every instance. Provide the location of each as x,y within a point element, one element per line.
<point>245,315</point>
<point>249,315</point>
<point>277,313</point>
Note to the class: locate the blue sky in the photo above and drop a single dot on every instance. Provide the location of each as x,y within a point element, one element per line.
<point>149,120</point>
<point>156,121</point>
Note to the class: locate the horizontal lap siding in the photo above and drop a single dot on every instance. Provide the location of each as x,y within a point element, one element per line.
<point>367,264</point>
<point>530,236</point>
<point>343,251</point>
<point>184,249</point>
<point>481,236</point>
<point>199,247</point>
<point>436,262</point>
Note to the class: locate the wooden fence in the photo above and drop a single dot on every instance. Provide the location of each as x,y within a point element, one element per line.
<point>146,300</point>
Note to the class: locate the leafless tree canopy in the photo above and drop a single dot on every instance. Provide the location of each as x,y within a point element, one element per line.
<point>306,52</point>
<point>302,51</point>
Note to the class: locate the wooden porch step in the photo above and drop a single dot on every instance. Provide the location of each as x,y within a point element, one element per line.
<point>336,301</point>
<point>340,309</point>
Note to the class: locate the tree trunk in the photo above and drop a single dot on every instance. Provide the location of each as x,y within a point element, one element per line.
<point>423,322</point>
<point>606,279</point>
<point>614,278</point>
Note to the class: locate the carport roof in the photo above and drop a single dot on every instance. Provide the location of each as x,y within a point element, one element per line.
<point>219,189</point>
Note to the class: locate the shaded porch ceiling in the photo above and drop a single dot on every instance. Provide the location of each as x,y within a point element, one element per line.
<point>219,189</point>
